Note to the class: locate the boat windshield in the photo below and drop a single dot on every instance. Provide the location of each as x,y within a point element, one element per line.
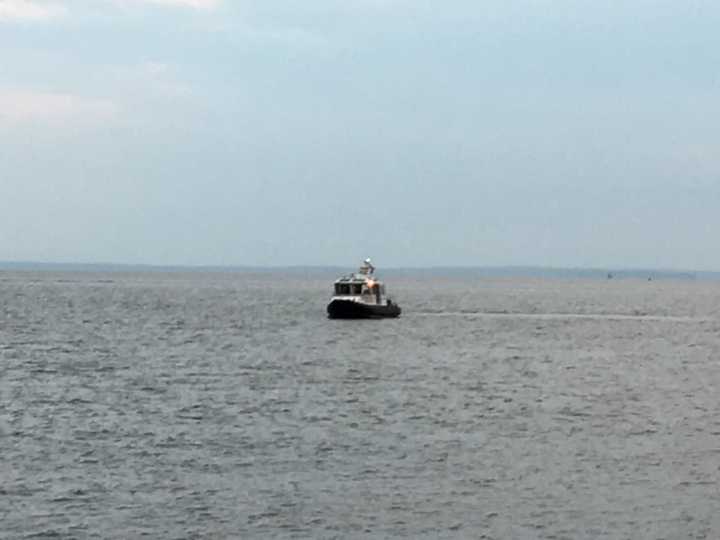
<point>342,289</point>
<point>345,289</point>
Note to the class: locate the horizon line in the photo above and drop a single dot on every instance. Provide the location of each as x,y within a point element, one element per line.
<point>25,264</point>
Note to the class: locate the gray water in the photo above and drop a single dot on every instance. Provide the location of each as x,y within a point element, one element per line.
<point>227,406</point>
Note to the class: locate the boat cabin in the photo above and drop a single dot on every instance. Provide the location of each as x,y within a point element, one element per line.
<point>361,287</point>
<point>353,286</point>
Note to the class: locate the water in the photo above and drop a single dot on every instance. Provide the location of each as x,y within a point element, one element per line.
<point>227,406</point>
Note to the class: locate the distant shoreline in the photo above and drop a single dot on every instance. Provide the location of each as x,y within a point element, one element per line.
<point>450,271</point>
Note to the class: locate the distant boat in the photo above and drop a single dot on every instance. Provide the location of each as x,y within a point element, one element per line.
<point>361,296</point>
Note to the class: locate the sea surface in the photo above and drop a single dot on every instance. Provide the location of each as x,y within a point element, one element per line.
<point>225,405</point>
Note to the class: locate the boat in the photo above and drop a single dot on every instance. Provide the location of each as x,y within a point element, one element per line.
<point>361,296</point>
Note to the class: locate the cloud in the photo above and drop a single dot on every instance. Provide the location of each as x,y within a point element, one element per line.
<point>150,80</point>
<point>198,4</point>
<point>195,4</point>
<point>28,10</point>
<point>33,107</point>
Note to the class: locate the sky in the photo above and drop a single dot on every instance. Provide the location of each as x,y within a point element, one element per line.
<point>562,133</point>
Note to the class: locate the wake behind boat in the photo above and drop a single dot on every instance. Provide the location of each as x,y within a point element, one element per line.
<point>361,296</point>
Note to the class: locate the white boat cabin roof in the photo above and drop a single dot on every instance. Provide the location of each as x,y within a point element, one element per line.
<point>358,279</point>
<point>363,275</point>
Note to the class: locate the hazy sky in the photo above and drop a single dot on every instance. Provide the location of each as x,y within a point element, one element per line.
<point>495,132</point>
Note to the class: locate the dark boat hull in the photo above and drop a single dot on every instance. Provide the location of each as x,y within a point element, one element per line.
<point>347,309</point>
